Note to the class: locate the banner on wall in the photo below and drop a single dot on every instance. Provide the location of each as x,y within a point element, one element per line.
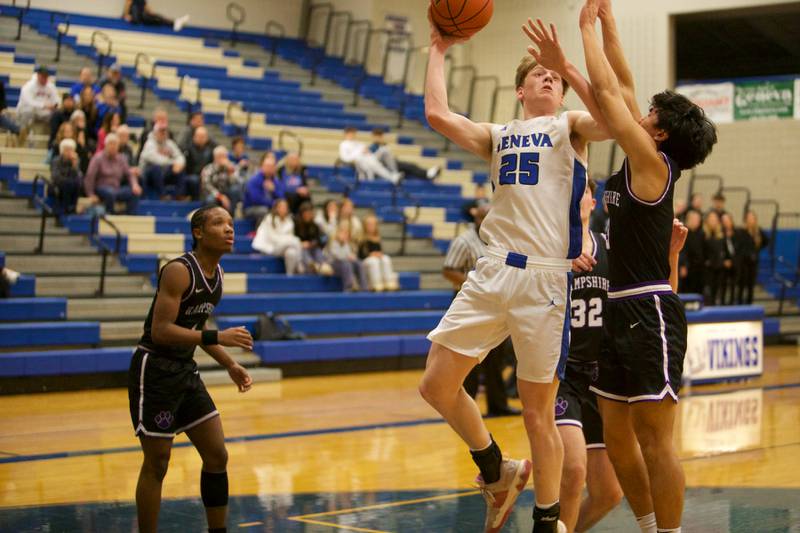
<point>764,99</point>
<point>724,350</point>
<point>716,99</point>
<point>797,99</point>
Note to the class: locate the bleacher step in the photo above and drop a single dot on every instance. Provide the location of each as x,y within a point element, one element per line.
<point>420,264</point>
<point>28,243</point>
<point>107,308</point>
<point>61,264</point>
<point>115,332</point>
<point>31,223</point>
<point>83,286</point>
<point>259,375</point>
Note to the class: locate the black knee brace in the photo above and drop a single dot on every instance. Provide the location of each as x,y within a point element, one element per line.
<point>214,489</point>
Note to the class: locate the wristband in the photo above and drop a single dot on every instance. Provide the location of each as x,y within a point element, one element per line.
<point>209,337</point>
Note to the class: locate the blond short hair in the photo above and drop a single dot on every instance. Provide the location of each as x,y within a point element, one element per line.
<point>524,68</point>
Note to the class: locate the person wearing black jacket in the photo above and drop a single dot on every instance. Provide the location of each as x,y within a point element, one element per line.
<point>714,253</point>
<point>692,258</point>
<point>728,289</point>
<point>749,241</point>
<point>311,239</point>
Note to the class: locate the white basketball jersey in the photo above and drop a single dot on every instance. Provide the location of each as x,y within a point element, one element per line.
<point>538,181</point>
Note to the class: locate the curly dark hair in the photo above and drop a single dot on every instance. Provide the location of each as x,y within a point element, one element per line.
<point>691,135</point>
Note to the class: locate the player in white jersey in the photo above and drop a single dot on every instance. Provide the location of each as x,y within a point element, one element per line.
<point>521,287</point>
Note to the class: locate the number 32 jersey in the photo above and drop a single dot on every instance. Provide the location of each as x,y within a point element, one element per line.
<point>589,291</point>
<point>538,181</point>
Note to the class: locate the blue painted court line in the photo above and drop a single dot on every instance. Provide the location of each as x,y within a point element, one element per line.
<point>306,433</point>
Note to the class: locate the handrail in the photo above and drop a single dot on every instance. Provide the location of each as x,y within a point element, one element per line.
<point>703,177</point>
<point>293,135</point>
<point>145,79</point>
<point>20,13</point>
<point>100,56</point>
<point>451,86</point>
<point>348,16</point>
<point>311,9</point>
<point>473,83</point>
<point>401,112</point>
<point>281,34</point>
<point>350,26</point>
<point>774,232</point>
<point>785,282</point>
<point>104,249</point>
<point>59,35</point>
<point>390,42</point>
<point>230,120</point>
<point>367,45</point>
<point>495,96</point>
<point>237,15</point>
<point>41,202</point>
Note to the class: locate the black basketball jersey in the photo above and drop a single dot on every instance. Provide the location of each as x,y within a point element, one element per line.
<point>589,291</point>
<point>197,303</point>
<point>639,232</point>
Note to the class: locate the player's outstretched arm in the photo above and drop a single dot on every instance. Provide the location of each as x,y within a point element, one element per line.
<point>649,170</point>
<point>548,53</point>
<point>676,242</point>
<point>612,46</point>
<point>472,137</point>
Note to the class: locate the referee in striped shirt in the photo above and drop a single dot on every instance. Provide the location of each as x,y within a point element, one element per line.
<point>462,255</point>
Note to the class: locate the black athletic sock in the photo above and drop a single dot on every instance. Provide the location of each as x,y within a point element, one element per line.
<point>488,461</point>
<point>218,530</point>
<point>545,520</point>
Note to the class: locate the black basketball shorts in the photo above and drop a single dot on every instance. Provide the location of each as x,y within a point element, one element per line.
<point>166,396</point>
<point>576,405</point>
<point>643,349</point>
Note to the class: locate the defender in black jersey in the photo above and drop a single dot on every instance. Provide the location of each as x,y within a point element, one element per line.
<point>578,420</point>
<point>646,328</point>
<point>166,393</point>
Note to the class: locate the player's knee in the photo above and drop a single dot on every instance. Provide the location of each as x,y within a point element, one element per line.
<point>216,460</point>
<point>431,390</point>
<point>538,421</point>
<point>572,477</point>
<point>156,464</point>
<point>610,497</point>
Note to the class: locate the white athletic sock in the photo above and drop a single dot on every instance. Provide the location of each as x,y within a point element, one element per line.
<point>546,505</point>
<point>666,530</point>
<point>647,523</point>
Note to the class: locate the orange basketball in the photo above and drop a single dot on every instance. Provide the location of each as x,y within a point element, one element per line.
<point>461,18</point>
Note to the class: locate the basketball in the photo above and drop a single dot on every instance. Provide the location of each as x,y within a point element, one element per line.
<point>461,18</point>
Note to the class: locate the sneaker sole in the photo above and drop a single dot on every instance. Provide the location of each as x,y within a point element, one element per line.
<point>520,480</point>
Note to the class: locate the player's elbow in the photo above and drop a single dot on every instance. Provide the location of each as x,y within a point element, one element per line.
<point>436,119</point>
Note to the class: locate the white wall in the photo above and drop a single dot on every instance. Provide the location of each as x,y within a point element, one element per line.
<point>207,13</point>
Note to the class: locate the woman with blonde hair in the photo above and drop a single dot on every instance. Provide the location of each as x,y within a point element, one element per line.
<point>380,272</point>
<point>275,236</point>
<point>715,256</point>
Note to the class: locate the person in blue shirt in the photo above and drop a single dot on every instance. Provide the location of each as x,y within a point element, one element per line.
<point>107,102</point>
<point>85,77</point>
<point>262,189</point>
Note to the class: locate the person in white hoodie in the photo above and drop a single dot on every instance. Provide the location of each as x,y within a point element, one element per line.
<point>38,98</point>
<point>275,236</point>
<point>357,153</point>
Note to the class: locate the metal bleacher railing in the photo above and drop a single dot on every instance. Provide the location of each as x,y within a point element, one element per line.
<point>40,202</point>
<point>103,248</point>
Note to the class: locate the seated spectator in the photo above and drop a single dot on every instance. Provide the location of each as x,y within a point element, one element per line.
<point>714,254</point>
<point>87,104</point>
<point>470,207</point>
<point>38,99</point>
<point>60,116</point>
<point>199,154</point>
<point>106,103</point>
<point>162,164</point>
<point>138,12</point>
<point>125,148</point>
<point>293,177</point>
<point>345,261</point>
<point>387,159</point>
<point>312,258</point>
<point>6,122</point>
<point>275,236</point>
<point>238,156</point>
<point>357,153</point>
<point>750,240</point>
<point>107,172</point>
<point>85,79</point>
<point>111,122</point>
<point>196,120</point>
<point>728,287</point>
<point>67,131</point>
<point>380,272</point>
<point>114,78</point>
<point>261,190</point>
<point>221,184</point>
<point>85,146</point>
<point>348,218</point>
<point>160,116</point>
<point>692,259</point>
<point>327,219</point>
<point>66,175</point>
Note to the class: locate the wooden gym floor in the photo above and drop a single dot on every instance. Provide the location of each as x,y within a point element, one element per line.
<point>365,453</point>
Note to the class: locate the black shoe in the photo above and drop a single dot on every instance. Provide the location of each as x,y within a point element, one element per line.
<point>507,411</point>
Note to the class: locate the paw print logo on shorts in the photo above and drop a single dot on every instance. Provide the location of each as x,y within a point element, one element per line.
<point>561,406</point>
<point>164,419</point>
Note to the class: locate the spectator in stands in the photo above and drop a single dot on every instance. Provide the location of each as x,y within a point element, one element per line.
<point>199,154</point>
<point>107,172</point>
<point>85,79</point>
<point>696,203</point>
<point>38,98</point>
<point>293,177</point>
<point>327,219</point>
<point>718,204</point>
<point>66,175</point>
<point>196,120</point>
<point>728,283</point>
<point>238,156</point>
<point>261,190</point>
<point>344,260</point>
<point>275,236</point>
<point>471,207</point>
<point>162,163</point>
<point>221,184</point>
<point>61,115</point>
<point>87,104</point>
<point>388,160</point>
<point>692,259</point>
<point>106,103</point>
<point>114,78</point>
<point>311,239</point>
<point>138,12</point>
<point>125,148</point>
<point>160,116</point>
<point>67,131</point>
<point>348,218</point>
<point>78,123</point>
<point>380,272</point>
<point>750,240</point>
<point>6,122</point>
<point>715,256</point>
<point>357,153</point>
<point>111,122</point>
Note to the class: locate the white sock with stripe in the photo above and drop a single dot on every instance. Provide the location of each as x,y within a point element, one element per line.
<point>647,523</point>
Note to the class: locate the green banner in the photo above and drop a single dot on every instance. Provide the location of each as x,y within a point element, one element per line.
<point>763,99</point>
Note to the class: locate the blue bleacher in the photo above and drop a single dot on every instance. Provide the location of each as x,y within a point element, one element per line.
<point>30,309</point>
<point>49,334</point>
<point>319,302</point>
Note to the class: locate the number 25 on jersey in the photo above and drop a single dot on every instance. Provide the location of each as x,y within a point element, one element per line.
<point>522,166</point>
